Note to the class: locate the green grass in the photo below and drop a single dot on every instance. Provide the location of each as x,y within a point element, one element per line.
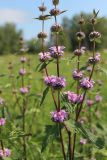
<point>41,115</point>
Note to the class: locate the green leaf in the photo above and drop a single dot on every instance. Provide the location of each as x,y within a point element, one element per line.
<point>84,67</point>
<point>70,126</point>
<point>51,132</point>
<point>97,141</point>
<point>63,11</point>
<point>7,85</point>
<point>98,40</point>
<point>45,92</point>
<point>42,66</point>
<point>103,70</point>
<point>2,75</point>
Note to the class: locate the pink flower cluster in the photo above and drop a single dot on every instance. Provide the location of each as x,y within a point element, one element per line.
<point>98,98</point>
<point>85,83</point>
<point>22,72</point>
<point>2,121</point>
<point>59,116</point>
<point>24,90</point>
<point>43,57</point>
<point>96,59</point>
<point>83,141</point>
<point>57,51</point>
<point>55,82</point>
<point>73,97</point>
<point>90,102</point>
<point>77,74</point>
<point>5,153</point>
<point>79,52</point>
<point>23,59</point>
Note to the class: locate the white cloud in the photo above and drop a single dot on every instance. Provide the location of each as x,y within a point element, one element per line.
<point>12,15</point>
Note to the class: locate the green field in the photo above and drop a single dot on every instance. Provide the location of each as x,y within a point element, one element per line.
<point>37,117</point>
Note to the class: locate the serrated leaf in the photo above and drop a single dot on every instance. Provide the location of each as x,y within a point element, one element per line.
<point>42,66</point>
<point>51,132</point>
<point>45,92</point>
<point>97,141</point>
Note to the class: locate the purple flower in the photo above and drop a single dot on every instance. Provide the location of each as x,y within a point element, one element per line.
<point>2,121</point>
<point>59,116</point>
<point>57,51</point>
<point>96,59</point>
<point>77,74</point>
<point>22,72</point>
<point>73,97</point>
<point>43,57</point>
<point>7,152</point>
<point>86,83</point>
<point>1,101</point>
<point>23,59</point>
<point>79,52</point>
<point>24,90</point>
<point>98,98</point>
<point>55,82</point>
<point>83,141</point>
<point>1,153</point>
<point>90,102</point>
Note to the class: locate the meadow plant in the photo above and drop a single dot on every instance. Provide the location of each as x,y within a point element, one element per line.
<point>69,104</point>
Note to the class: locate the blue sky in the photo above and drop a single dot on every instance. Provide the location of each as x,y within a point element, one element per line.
<point>21,12</point>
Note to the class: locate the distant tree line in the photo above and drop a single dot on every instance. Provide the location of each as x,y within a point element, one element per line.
<point>9,36</point>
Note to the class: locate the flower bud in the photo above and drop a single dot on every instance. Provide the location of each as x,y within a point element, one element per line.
<point>55,2</point>
<point>42,8</point>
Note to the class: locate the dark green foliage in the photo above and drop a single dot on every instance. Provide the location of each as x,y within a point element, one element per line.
<point>71,26</point>
<point>34,46</point>
<point>45,92</point>
<point>51,132</point>
<point>9,39</point>
<point>97,141</point>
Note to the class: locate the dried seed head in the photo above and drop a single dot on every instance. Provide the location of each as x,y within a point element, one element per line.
<point>42,35</point>
<point>81,21</point>
<point>10,66</point>
<point>55,12</point>
<point>80,35</point>
<point>94,35</point>
<point>93,21</point>
<point>42,8</point>
<point>56,28</point>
